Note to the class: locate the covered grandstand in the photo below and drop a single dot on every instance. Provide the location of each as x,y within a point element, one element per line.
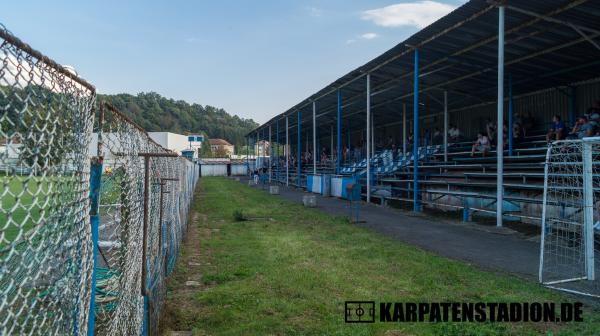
<point>499,62</point>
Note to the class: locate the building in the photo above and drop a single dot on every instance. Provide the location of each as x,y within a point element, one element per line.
<point>185,145</point>
<point>220,146</point>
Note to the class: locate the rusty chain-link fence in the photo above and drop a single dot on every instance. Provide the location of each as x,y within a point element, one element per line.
<point>92,210</point>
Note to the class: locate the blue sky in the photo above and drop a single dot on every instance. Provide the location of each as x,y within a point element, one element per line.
<point>253,58</point>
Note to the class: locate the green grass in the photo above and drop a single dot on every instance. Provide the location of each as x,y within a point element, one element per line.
<point>30,198</point>
<point>21,205</point>
<point>288,271</point>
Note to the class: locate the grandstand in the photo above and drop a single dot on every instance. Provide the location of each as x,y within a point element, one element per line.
<point>487,63</point>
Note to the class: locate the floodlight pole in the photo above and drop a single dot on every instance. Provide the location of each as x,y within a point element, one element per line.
<point>500,131</point>
<point>445,126</point>
<point>368,138</point>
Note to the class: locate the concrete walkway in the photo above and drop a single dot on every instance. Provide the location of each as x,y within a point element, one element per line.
<point>488,247</point>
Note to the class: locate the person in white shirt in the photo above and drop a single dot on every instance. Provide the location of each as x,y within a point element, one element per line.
<point>482,144</point>
<point>454,133</point>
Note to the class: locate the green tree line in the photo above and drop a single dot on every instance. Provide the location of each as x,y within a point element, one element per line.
<point>156,113</point>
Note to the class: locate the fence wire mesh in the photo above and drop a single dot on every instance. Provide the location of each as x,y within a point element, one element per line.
<point>570,247</point>
<point>57,251</point>
<point>45,247</point>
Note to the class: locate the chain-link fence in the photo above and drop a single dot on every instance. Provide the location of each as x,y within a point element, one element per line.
<point>90,204</point>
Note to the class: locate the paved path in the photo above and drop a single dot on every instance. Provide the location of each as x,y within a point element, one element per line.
<point>484,246</point>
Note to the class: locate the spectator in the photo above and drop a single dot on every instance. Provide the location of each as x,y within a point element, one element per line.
<point>390,142</point>
<point>482,144</point>
<point>557,130</point>
<point>454,133</point>
<point>491,129</point>
<point>517,132</point>
<point>580,128</point>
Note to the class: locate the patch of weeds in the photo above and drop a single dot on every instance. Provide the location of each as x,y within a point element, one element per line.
<point>239,216</point>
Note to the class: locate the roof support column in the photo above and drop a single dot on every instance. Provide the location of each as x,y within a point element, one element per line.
<point>372,134</point>
<point>339,132</point>
<point>277,151</point>
<point>445,126</point>
<point>415,150</point>
<point>298,159</point>
<point>500,135</point>
<point>510,116</point>
<point>349,143</point>
<point>404,129</point>
<point>314,106</point>
<point>270,155</point>
<point>368,137</point>
<point>287,152</point>
<point>331,150</point>
<point>247,155</point>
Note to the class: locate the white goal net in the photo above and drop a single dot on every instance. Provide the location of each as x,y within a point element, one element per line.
<point>570,238</point>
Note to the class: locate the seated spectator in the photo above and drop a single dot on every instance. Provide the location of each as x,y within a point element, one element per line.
<point>482,144</point>
<point>491,128</point>
<point>591,130</point>
<point>580,128</point>
<point>594,114</point>
<point>517,132</point>
<point>390,142</point>
<point>454,133</point>
<point>557,130</point>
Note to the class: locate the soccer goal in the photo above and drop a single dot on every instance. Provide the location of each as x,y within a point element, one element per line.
<point>569,253</point>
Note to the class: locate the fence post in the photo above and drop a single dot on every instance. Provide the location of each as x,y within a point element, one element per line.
<point>588,210</point>
<point>95,182</point>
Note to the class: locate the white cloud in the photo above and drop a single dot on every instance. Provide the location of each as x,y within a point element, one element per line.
<point>314,11</point>
<point>368,36</point>
<point>419,14</point>
<point>365,36</point>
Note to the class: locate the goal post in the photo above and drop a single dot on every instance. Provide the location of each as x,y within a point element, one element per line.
<point>569,254</point>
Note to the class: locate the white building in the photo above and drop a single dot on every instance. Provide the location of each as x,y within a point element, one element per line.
<point>177,143</point>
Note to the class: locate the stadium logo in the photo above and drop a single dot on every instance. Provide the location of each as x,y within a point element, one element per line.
<point>359,312</point>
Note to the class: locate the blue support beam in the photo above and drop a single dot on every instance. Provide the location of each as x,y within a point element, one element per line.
<point>338,134</point>
<point>95,184</point>
<point>299,153</point>
<point>349,144</point>
<point>416,206</point>
<point>247,155</point>
<point>277,151</point>
<point>510,116</point>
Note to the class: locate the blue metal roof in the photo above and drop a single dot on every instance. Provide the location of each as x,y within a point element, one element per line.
<point>548,43</point>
